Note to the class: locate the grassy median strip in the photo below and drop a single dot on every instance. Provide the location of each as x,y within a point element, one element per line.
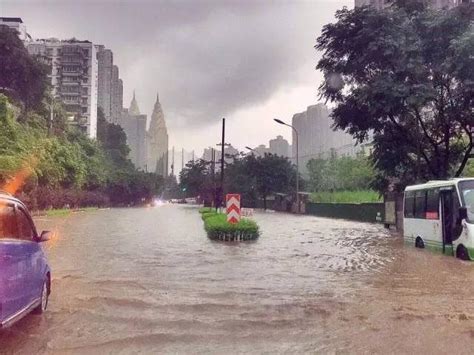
<point>218,228</point>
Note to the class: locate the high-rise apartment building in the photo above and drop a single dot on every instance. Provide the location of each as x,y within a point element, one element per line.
<point>317,137</point>
<point>279,146</point>
<point>74,78</point>
<point>110,95</point>
<point>117,95</point>
<point>17,24</point>
<point>105,60</point>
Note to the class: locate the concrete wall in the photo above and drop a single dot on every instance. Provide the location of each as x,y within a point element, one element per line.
<point>363,212</point>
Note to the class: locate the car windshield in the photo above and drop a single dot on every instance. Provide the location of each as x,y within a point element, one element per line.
<point>467,196</point>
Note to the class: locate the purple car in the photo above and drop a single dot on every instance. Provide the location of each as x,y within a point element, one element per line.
<point>25,277</point>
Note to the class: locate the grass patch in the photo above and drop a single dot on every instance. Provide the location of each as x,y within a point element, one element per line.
<point>218,228</point>
<point>58,212</point>
<point>67,211</point>
<point>358,196</point>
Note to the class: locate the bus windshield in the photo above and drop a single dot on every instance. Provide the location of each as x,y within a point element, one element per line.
<point>467,195</point>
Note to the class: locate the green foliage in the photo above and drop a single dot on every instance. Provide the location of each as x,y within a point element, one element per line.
<point>404,77</point>
<point>217,227</point>
<point>343,173</point>
<point>469,172</point>
<point>206,209</point>
<point>67,168</point>
<point>354,196</point>
<point>250,176</point>
<point>22,77</point>
<point>196,178</point>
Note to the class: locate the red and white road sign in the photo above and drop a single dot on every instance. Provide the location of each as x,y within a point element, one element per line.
<point>233,208</point>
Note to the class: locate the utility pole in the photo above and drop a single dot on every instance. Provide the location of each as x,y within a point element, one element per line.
<point>213,173</point>
<point>182,159</point>
<point>222,162</point>
<point>223,144</point>
<point>193,155</point>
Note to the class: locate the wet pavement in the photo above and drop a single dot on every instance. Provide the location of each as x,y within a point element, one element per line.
<point>148,280</point>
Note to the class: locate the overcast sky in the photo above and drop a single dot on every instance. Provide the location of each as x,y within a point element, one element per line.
<point>249,61</point>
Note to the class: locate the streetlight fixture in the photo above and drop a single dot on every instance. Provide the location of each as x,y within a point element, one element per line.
<point>297,168</point>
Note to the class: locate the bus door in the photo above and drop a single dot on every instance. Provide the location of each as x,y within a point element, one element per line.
<point>449,210</point>
<point>446,201</point>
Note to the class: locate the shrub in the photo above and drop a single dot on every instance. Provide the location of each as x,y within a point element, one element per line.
<point>217,227</point>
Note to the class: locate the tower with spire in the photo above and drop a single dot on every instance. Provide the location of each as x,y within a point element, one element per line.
<point>157,141</point>
<point>134,110</point>
<point>134,126</point>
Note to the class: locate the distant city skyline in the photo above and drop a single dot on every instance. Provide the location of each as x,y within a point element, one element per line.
<point>238,72</point>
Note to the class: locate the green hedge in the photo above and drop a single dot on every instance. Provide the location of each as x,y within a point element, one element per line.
<point>217,227</point>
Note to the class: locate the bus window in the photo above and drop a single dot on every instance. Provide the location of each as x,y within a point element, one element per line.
<point>420,204</point>
<point>467,196</point>
<point>409,204</point>
<point>432,204</point>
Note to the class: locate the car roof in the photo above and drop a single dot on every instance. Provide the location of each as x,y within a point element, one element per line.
<point>7,196</point>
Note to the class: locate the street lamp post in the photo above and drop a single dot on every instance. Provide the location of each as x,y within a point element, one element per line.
<point>297,158</point>
<point>251,149</point>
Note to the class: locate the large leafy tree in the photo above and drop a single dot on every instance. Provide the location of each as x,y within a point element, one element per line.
<point>272,174</point>
<point>252,177</point>
<point>196,178</point>
<point>22,77</point>
<point>403,77</point>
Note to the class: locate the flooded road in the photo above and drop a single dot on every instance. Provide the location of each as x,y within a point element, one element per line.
<point>148,280</point>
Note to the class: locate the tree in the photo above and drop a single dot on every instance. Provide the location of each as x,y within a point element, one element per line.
<point>113,140</point>
<point>195,179</point>
<point>404,77</point>
<point>272,173</point>
<point>22,77</point>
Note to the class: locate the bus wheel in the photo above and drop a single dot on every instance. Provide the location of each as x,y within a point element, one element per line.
<point>419,243</point>
<point>461,253</point>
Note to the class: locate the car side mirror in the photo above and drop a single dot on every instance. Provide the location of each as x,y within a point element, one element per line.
<point>45,236</point>
<point>462,213</point>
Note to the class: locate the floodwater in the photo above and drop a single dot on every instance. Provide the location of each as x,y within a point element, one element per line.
<point>148,280</point>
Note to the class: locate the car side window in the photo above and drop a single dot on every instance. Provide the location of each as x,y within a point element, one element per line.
<point>8,224</point>
<point>25,228</point>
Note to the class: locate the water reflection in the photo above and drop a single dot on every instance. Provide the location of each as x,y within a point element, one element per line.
<point>129,280</point>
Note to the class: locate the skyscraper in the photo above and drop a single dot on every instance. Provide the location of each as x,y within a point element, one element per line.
<point>117,95</point>
<point>317,137</point>
<point>134,125</point>
<point>157,141</point>
<point>105,59</point>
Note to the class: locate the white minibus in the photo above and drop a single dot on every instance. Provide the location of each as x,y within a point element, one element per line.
<point>440,215</point>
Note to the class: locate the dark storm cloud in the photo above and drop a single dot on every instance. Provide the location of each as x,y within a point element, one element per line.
<point>206,58</point>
